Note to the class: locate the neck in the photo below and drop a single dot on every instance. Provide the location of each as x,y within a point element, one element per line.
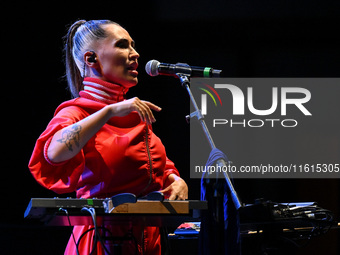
<point>102,91</point>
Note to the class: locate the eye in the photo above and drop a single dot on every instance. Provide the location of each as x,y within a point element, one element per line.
<point>122,43</point>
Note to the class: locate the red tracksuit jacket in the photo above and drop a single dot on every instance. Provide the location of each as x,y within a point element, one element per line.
<point>119,158</point>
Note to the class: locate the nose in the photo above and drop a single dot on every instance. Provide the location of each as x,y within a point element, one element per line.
<point>134,55</point>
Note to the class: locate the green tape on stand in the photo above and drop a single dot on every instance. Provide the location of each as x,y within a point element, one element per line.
<point>206,72</point>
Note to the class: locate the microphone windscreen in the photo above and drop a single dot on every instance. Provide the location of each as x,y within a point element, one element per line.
<point>151,67</point>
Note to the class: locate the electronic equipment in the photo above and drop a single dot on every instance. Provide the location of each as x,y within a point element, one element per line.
<point>150,213</point>
<point>264,224</point>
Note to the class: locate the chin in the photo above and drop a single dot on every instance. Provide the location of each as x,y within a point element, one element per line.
<point>130,83</point>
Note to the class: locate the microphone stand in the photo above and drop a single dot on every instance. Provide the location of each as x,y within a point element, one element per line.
<point>218,235</point>
<point>197,113</point>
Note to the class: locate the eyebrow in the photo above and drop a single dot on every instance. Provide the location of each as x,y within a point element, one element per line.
<point>126,40</point>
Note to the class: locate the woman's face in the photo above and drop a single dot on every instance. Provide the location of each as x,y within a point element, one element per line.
<point>116,57</point>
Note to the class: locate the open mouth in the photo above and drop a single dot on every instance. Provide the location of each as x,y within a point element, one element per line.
<point>133,69</point>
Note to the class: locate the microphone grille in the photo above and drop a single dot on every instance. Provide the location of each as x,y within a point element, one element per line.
<point>151,67</point>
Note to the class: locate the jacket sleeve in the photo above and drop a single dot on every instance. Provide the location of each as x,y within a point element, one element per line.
<point>170,168</point>
<point>58,177</point>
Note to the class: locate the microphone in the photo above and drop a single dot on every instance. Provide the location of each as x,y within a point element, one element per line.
<point>154,68</point>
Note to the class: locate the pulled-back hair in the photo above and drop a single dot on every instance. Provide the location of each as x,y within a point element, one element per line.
<point>79,39</point>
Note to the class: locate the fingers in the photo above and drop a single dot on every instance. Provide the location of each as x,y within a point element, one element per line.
<point>177,196</point>
<point>166,190</point>
<point>175,193</point>
<point>144,108</point>
<point>145,113</point>
<point>169,192</point>
<point>173,196</point>
<point>153,106</point>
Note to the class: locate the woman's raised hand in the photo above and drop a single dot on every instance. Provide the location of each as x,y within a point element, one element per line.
<point>143,108</point>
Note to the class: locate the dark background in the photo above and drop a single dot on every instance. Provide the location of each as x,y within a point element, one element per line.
<point>243,38</point>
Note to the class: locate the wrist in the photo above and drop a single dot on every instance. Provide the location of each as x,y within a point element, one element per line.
<point>171,178</point>
<point>110,110</point>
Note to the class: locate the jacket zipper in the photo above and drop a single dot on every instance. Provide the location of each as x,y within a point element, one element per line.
<point>149,158</point>
<point>148,149</point>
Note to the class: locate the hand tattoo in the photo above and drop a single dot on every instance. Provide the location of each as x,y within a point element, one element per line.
<point>70,135</point>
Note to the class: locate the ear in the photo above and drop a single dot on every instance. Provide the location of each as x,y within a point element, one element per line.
<point>90,59</point>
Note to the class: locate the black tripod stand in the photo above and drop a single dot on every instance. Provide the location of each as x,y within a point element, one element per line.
<point>220,224</point>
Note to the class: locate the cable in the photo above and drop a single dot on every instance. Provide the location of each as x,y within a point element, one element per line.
<point>69,222</point>
<point>97,236</point>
